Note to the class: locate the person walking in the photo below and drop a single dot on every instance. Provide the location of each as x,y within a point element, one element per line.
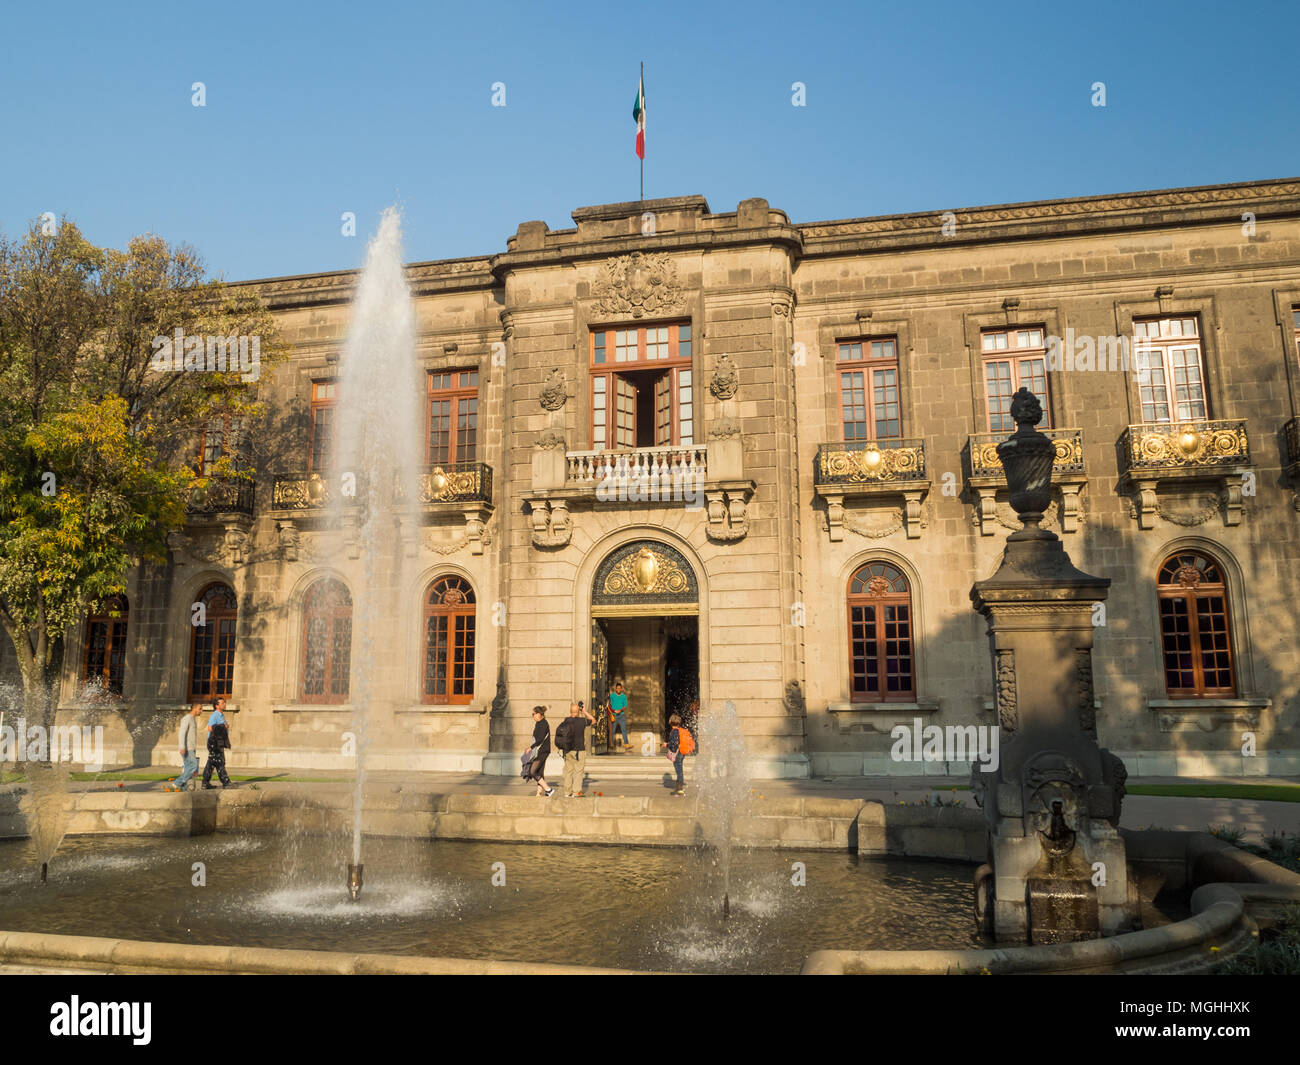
<point>540,750</point>
<point>188,737</point>
<point>218,744</point>
<point>618,708</point>
<point>680,743</point>
<point>571,738</point>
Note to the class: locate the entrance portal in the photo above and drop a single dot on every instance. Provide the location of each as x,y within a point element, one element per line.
<point>657,661</point>
<point>645,635</point>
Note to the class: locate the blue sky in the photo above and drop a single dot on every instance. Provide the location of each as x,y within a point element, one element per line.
<point>316,109</point>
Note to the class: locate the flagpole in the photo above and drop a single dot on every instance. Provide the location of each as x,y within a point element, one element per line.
<point>642,200</point>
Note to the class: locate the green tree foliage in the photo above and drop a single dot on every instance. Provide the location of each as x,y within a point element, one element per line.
<point>97,447</point>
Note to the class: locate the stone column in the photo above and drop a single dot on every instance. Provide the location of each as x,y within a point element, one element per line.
<point>1052,801</point>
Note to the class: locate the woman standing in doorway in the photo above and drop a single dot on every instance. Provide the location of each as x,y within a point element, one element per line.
<point>540,749</point>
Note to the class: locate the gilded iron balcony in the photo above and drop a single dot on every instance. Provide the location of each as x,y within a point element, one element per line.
<point>449,482</point>
<point>220,496</point>
<point>456,482</point>
<point>986,476</point>
<point>863,462</point>
<point>872,471</point>
<point>1292,431</point>
<point>1173,454</point>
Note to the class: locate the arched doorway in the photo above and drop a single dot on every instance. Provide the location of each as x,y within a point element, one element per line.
<point>644,635</point>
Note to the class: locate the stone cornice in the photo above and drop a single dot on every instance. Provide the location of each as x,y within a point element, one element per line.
<point>1056,218</point>
<point>1044,219</point>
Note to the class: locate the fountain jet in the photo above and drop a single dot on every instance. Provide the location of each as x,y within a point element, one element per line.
<point>45,868</point>
<point>354,881</point>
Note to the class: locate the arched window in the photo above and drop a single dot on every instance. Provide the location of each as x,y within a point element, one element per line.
<point>1194,633</point>
<point>327,642</point>
<point>212,647</point>
<point>880,635</point>
<point>106,645</point>
<point>449,641</point>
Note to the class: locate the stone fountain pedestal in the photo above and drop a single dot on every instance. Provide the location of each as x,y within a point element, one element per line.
<point>1058,869</point>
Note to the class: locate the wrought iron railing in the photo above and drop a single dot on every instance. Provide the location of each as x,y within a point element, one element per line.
<point>456,482</point>
<point>1184,445</point>
<point>983,452</point>
<point>870,462</point>
<point>449,482</point>
<point>222,495</point>
<point>302,491</point>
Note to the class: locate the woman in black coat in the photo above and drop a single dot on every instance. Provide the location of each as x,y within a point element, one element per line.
<point>540,749</point>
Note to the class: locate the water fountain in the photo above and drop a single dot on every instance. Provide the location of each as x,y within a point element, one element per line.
<point>378,448</point>
<point>45,808</point>
<point>724,788</point>
<point>1057,870</point>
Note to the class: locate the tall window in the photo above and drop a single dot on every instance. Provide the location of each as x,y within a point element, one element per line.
<point>452,418</point>
<point>642,387</point>
<point>212,646</point>
<point>869,389</point>
<point>327,643</point>
<point>1295,322</point>
<point>1194,632</point>
<point>880,635</point>
<point>449,642</point>
<point>106,646</point>
<point>324,395</point>
<point>220,438</point>
<point>1013,359</point>
<point>1171,383</point>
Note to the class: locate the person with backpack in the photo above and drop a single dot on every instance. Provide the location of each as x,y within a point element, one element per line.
<point>571,738</point>
<point>680,743</point>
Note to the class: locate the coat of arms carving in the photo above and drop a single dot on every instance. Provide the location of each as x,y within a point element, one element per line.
<point>638,285</point>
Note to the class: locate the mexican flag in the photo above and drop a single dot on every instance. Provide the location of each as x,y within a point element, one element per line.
<point>638,112</point>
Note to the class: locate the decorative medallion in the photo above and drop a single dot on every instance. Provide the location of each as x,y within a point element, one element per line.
<point>638,285</point>
<point>725,382</point>
<point>552,396</point>
<point>644,571</point>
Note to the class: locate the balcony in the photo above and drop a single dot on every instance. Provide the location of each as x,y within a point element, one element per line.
<point>449,489</point>
<point>1177,457</point>
<point>220,499</point>
<point>708,476</point>
<point>872,471</point>
<point>986,477</point>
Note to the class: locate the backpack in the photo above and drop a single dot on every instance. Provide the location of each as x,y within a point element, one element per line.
<point>685,741</point>
<point>562,739</point>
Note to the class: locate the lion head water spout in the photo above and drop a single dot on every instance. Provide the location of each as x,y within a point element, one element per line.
<point>373,493</point>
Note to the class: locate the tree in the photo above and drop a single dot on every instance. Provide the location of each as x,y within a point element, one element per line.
<point>94,438</point>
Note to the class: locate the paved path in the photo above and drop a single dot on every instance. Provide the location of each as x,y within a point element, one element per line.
<point>1140,811</point>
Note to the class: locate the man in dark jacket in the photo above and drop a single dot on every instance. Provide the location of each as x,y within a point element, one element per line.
<point>571,738</point>
<point>218,744</point>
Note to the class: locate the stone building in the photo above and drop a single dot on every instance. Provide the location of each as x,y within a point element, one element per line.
<point>725,456</point>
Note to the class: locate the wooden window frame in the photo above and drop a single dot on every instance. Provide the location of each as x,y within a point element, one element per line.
<point>214,616</point>
<point>867,364</point>
<point>317,405</point>
<point>115,635</point>
<point>458,391</point>
<point>231,428</point>
<point>675,363</point>
<point>335,608</point>
<point>1165,344</point>
<point>1189,592</point>
<point>880,600</point>
<point>466,609</point>
<point>1014,354</point>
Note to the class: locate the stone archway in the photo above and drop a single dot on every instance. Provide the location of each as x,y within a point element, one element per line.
<point>645,606</point>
